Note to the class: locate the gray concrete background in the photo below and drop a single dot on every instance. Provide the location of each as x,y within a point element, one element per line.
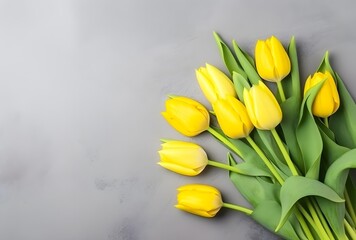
<point>82,84</point>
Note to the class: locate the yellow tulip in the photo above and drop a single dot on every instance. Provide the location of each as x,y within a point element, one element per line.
<point>327,100</point>
<point>186,115</point>
<point>214,83</point>
<point>232,117</point>
<point>272,60</point>
<point>183,157</point>
<point>202,200</point>
<point>262,107</point>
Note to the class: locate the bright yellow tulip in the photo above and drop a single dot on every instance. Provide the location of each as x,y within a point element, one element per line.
<point>183,157</point>
<point>202,200</point>
<point>214,83</point>
<point>232,117</point>
<point>262,107</point>
<point>186,115</point>
<point>327,100</point>
<point>272,60</point>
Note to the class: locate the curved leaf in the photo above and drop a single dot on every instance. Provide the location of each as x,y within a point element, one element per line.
<point>308,135</point>
<point>337,173</point>
<point>291,84</point>
<point>331,151</point>
<point>254,189</point>
<point>268,213</point>
<point>230,62</point>
<point>342,122</point>
<point>290,109</point>
<point>250,169</point>
<point>240,83</point>
<point>246,64</point>
<point>297,187</point>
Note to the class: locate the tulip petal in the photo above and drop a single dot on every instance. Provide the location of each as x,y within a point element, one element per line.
<point>180,169</point>
<point>280,59</point>
<point>206,85</point>
<point>222,84</point>
<point>190,158</point>
<point>264,61</point>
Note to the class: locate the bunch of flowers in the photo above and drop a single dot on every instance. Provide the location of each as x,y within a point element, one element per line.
<point>290,151</point>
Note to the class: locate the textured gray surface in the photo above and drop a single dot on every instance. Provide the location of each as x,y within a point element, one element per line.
<point>82,84</point>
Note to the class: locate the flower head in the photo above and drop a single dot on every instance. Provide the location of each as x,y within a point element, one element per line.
<point>202,200</point>
<point>183,157</point>
<point>186,115</point>
<point>272,60</point>
<point>232,117</point>
<point>214,83</point>
<point>262,107</point>
<point>327,100</point>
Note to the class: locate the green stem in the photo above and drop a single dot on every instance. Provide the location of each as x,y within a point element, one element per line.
<point>223,166</point>
<point>280,90</point>
<point>349,219</point>
<point>322,219</point>
<point>350,230</point>
<point>311,222</point>
<point>326,122</point>
<point>320,227</point>
<point>350,207</point>
<point>284,152</point>
<point>225,141</point>
<point>303,224</point>
<point>238,208</point>
<point>265,160</point>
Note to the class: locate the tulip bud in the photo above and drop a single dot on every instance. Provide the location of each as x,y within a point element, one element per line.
<point>183,157</point>
<point>187,116</point>
<point>202,200</point>
<point>272,60</point>
<point>327,100</point>
<point>262,107</point>
<point>214,83</point>
<point>232,117</point>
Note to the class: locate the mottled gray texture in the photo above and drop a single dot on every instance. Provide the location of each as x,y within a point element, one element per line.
<point>82,84</point>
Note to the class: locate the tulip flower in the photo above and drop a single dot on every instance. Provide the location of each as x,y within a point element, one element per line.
<point>187,116</point>
<point>183,157</point>
<point>202,200</point>
<point>327,100</point>
<point>272,60</point>
<point>214,83</point>
<point>262,107</point>
<point>232,117</point>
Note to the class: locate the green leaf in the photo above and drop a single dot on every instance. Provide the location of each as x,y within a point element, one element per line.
<point>297,187</point>
<point>240,83</point>
<point>291,84</point>
<point>246,65</point>
<point>342,121</point>
<point>308,135</point>
<point>254,189</point>
<point>351,189</point>
<point>326,66</point>
<point>250,169</point>
<point>247,152</point>
<point>337,173</point>
<point>335,178</point>
<point>230,62</point>
<point>331,150</point>
<point>268,213</point>
<point>290,109</point>
<point>268,145</point>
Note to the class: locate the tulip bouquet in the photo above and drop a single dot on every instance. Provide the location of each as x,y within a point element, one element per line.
<point>291,153</point>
